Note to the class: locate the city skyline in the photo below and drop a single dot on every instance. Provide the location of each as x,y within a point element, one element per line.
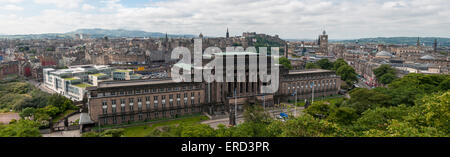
<point>290,19</point>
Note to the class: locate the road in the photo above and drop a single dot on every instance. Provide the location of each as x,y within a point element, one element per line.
<point>225,121</point>
<point>361,84</point>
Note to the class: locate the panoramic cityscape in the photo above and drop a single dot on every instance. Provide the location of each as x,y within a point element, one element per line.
<point>188,68</point>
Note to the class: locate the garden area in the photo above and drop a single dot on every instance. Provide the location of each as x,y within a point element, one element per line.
<point>35,108</point>
<point>146,129</point>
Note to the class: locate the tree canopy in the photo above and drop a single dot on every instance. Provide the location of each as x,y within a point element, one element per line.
<point>385,74</point>
<point>285,62</point>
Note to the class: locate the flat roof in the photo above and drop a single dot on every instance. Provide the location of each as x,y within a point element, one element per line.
<point>235,53</point>
<point>83,85</point>
<point>110,84</point>
<point>292,72</point>
<point>122,70</point>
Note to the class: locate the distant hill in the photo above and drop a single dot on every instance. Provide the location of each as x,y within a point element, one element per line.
<point>428,41</point>
<point>98,33</point>
<point>119,33</point>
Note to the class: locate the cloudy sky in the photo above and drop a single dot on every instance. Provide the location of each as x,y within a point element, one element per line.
<point>290,19</point>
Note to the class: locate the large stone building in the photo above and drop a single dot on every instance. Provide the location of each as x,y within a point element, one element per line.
<point>120,102</point>
<point>117,102</point>
<point>73,81</point>
<point>304,82</point>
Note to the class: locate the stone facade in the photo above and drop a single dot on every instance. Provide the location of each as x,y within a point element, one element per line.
<point>127,101</point>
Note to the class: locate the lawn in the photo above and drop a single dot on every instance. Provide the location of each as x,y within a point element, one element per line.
<point>98,74</point>
<point>70,78</point>
<point>144,130</point>
<point>83,85</point>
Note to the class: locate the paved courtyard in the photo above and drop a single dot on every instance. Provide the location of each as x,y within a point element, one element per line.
<point>73,133</point>
<point>5,118</point>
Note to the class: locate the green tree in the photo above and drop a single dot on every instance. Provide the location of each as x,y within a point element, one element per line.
<point>362,99</point>
<point>397,128</point>
<point>378,118</point>
<point>311,66</point>
<point>254,113</point>
<point>250,129</point>
<point>27,112</point>
<point>387,78</point>
<point>432,111</point>
<point>385,74</point>
<point>21,128</point>
<point>347,74</point>
<point>338,63</point>
<point>445,85</point>
<point>343,115</point>
<point>223,131</point>
<point>320,110</point>
<point>50,110</point>
<point>285,62</point>
<point>308,126</point>
<point>325,64</point>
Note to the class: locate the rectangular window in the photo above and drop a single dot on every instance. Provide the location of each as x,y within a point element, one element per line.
<point>131,100</point>
<point>155,101</point>
<point>122,108</point>
<point>199,98</point>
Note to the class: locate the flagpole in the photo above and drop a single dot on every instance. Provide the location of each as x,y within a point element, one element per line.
<point>295,105</point>
<point>235,107</point>
<point>312,93</point>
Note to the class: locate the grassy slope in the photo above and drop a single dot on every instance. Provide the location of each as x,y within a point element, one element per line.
<point>144,130</point>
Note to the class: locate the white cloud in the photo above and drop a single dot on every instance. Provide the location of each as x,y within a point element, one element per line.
<point>61,3</point>
<point>11,7</point>
<point>287,18</point>
<point>10,1</point>
<point>87,7</point>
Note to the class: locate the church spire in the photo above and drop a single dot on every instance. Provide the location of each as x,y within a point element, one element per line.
<point>228,34</point>
<point>435,45</point>
<point>418,41</point>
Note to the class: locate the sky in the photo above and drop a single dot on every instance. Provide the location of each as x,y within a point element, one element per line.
<point>290,19</point>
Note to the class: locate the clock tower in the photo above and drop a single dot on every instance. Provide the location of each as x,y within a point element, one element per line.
<point>323,44</point>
